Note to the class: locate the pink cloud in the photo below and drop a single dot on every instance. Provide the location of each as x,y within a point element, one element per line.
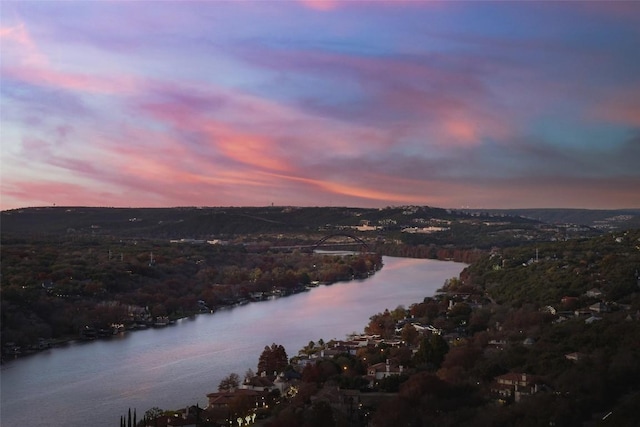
<point>321,5</point>
<point>70,80</point>
<point>441,99</point>
<point>256,132</point>
<point>26,62</point>
<point>327,5</point>
<point>17,34</point>
<point>249,149</point>
<point>47,193</point>
<point>243,147</point>
<point>18,45</point>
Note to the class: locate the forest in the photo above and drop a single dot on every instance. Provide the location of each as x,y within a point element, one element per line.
<point>53,289</point>
<point>527,336</point>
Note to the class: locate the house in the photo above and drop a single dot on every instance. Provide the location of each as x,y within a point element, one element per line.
<point>592,319</point>
<point>48,285</point>
<point>582,313</point>
<point>513,386</point>
<point>258,383</point>
<point>223,399</point>
<point>383,370</point>
<point>549,309</point>
<point>495,345</point>
<point>594,293</point>
<point>575,356</point>
<point>568,301</point>
<point>171,421</point>
<point>188,417</point>
<point>631,317</point>
<point>599,307</point>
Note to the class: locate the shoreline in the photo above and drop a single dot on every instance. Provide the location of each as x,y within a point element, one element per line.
<point>53,343</point>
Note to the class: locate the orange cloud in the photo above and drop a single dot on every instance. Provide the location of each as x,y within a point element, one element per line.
<point>155,159</point>
<point>362,192</point>
<point>47,193</point>
<point>245,148</point>
<point>625,112</point>
<point>462,131</point>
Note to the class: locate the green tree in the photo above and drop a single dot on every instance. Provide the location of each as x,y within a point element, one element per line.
<point>431,352</point>
<point>153,413</point>
<point>229,383</point>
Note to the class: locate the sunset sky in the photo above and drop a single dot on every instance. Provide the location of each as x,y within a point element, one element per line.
<point>317,103</point>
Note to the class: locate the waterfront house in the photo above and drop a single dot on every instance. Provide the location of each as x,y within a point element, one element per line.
<point>258,383</point>
<point>222,399</point>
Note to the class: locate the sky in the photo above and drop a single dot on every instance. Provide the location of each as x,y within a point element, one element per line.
<point>320,103</point>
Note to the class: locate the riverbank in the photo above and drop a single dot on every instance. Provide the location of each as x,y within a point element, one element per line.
<point>179,365</point>
<point>11,351</point>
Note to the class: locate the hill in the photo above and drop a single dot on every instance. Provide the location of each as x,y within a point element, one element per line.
<point>197,222</point>
<point>610,219</point>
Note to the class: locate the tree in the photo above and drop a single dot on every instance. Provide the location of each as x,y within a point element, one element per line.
<point>381,324</point>
<point>399,313</point>
<point>229,383</point>
<point>153,413</point>
<point>272,359</point>
<point>458,362</point>
<point>311,373</point>
<point>432,351</point>
<point>409,334</point>
<point>321,415</point>
<point>310,349</point>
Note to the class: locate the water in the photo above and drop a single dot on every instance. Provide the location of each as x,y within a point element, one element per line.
<point>95,383</point>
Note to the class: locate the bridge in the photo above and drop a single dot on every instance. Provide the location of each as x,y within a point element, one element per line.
<point>355,240</point>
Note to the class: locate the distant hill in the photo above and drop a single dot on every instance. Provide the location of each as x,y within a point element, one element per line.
<point>602,219</point>
<point>414,225</point>
<point>197,222</point>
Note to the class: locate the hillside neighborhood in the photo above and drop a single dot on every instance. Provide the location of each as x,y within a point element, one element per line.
<point>464,352</point>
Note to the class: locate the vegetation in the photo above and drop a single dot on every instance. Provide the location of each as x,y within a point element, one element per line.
<point>556,307</point>
<point>272,359</point>
<point>498,319</point>
<point>53,289</point>
<point>89,272</point>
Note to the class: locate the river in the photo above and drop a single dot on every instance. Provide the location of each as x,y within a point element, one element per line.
<point>94,383</point>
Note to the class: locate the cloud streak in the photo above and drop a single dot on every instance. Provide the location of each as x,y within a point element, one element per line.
<point>301,104</point>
